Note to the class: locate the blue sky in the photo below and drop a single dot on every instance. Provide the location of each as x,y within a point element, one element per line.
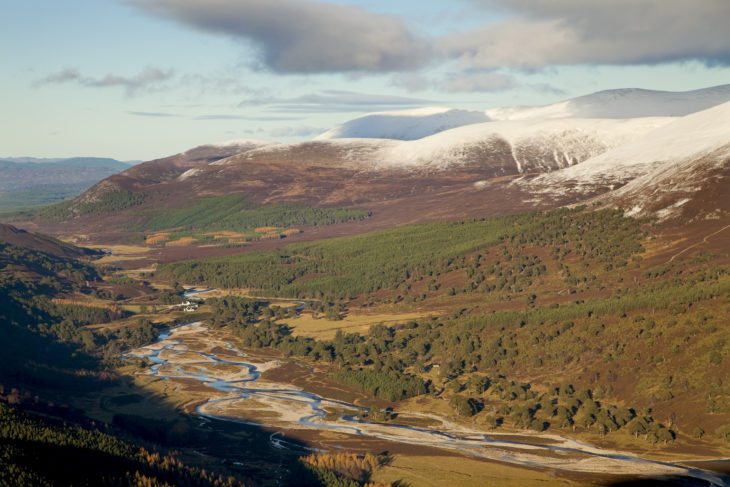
<point>140,79</point>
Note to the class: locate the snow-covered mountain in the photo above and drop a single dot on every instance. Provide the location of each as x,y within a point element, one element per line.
<point>676,168</point>
<point>610,104</point>
<point>404,124</point>
<point>675,159</point>
<point>493,148</point>
<point>621,103</point>
<point>527,146</point>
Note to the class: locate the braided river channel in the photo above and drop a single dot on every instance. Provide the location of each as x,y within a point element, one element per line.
<point>235,391</point>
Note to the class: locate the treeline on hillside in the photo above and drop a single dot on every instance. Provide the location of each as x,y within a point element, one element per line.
<point>236,212</point>
<point>109,202</point>
<point>342,268</point>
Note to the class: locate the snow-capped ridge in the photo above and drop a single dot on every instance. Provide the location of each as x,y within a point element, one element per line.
<point>621,103</point>
<point>409,124</point>
<point>417,123</point>
<point>534,145</point>
<point>493,148</point>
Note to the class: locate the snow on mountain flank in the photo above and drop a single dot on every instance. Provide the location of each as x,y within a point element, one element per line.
<point>533,145</point>
<point>685,139</point>
<point>495,148</point>
<point>621,103</point>
<point>404,124</point>
<point>665,190</point>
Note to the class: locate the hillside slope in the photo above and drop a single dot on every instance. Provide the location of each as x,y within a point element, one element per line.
<point>41,243</point>
<point>690,189</point>
<point>161,170</point>
<point>440,176</point>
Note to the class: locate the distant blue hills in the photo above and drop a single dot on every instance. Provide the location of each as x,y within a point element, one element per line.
<point>28,181</point>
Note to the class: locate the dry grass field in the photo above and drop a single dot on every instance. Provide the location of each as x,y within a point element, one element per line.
<point>446,470</point>
<point>121,253</point>
<point>324,329</point>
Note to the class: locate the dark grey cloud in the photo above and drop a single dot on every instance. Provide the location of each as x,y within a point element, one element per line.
<point>335,101</point>
<point>540,33</point>
<point>149,78</point>
<point>303,36</point>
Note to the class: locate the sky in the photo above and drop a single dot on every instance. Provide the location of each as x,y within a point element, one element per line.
<point>142,79</point>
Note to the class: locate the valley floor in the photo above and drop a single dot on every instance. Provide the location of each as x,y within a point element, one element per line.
<point>204,370</point>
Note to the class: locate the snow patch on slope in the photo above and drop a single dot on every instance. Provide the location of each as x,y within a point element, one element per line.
<point>189,174</point>
<point>405,124</point>
<point>672,209</point>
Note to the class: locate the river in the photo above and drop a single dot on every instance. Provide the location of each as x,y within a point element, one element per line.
<point>238,394</point>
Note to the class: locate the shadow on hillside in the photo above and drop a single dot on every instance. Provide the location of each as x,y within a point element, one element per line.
<point>668,482</point>
<point>42,377</point>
